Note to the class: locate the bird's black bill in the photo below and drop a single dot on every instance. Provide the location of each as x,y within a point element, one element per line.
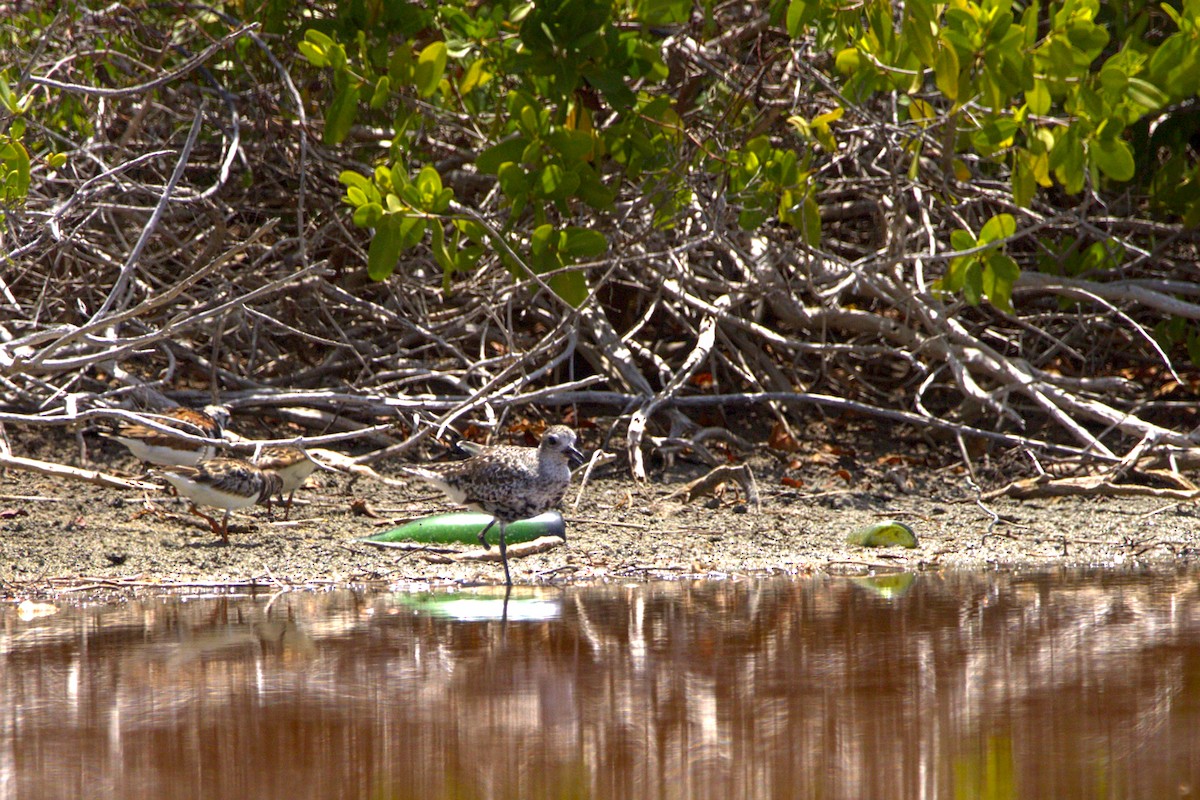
<point>575,457</point>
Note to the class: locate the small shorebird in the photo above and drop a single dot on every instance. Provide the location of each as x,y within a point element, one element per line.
<point>165,450</point>
<point>292,464</point>
<point>507,481</point>
<point>226,483</point>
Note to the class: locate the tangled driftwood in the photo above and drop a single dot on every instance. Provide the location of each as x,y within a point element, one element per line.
<point>193,248</point>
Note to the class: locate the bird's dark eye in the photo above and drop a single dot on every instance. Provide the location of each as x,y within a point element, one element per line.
<point>553,438</point>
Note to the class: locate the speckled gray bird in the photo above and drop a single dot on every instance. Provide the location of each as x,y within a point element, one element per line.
<point>226,483</point>
<point>507,481</point>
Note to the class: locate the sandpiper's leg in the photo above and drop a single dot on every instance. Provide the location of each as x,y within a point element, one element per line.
<point>287,509</point>
<point>225,528</point>
<point>483,534</point>
<point>504,557</point>
<point>212,522</point>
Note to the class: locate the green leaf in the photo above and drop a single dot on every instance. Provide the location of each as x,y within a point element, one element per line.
<point>570,286</point>
<point>351,178</point>
<point>411,230</point>
<point>1038,98</point>
<point>663,12</point>
<point>921,112</point>
<point>945,71</point>
<point>572,145</point>
<point>811,229</point>
<point>317,38</point>
<point>16,165</point>
<point>1066,159</point>
<point>848,61</point>
<point>368,215</point>
<point>401,66</point>
<point>961,240</point>
<point>1087,36</point>
<point>557,183</point>
<point>383,90</point>
<point>315,55</point>
<point>342,110</point>
<point>973,282</point>
<point>591,190</point>
<point>542,240</point>
<point>611,83</point>
<point>1113,157</point>
<point>998,227</point>
<point>6,96</point>
<point>1024,186</point>
<point>920,30</point>
<point>1146,94</point>
<point>429,186</point>
<point>995,134</point>
<point>750,219</point>
<point>431,65</point>
<point>513,180</point>
<point>1193,348</point>
<point>476,76</point>
<point>956,272</point>
<point>799,14</point>
<point>509,150</point>
<point>584,243</point>
<point>385,248</point>
<point>998,278</point>
<point>1113,78</point>
<point>441,254</point>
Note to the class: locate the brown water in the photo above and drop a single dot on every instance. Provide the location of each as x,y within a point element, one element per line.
<point>1046,685</point>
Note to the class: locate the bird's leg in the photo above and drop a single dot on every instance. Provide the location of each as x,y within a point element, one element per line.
<point>287,509</point>
<point>212,523</point>
<point>225,528</point>
<point>483,534</point>
<point>504,558</point>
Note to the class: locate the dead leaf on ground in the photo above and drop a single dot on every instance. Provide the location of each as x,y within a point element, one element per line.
<point>361,508</point>
<point>781,440</point>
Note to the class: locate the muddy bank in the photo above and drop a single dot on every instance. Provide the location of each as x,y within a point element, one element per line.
<point>59,535</point>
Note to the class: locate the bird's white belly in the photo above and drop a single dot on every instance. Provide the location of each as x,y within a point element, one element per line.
<point>164,456</point>
<point>207,495</point>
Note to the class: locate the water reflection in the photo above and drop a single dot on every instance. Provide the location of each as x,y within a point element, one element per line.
<point>1061,684</point>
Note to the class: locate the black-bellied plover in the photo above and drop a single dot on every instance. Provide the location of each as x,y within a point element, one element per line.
<point>507,481</point>
<point>226,483</point>
<point>166,450</point>
<point>292,464</point>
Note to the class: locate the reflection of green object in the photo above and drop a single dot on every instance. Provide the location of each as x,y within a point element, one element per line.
<point>473,607</point>
<point>464,527</point>
<point>888,586</point>
<point>884,534</point>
